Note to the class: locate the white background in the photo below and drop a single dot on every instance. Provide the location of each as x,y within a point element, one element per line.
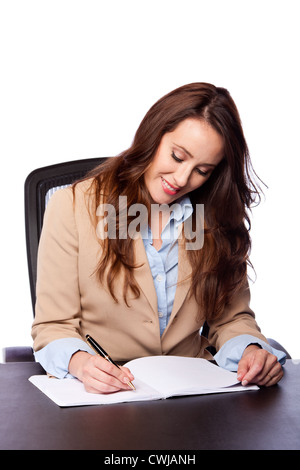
<point>78,76</point>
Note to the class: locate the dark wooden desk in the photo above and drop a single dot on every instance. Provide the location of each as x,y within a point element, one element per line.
<point>264,419</point>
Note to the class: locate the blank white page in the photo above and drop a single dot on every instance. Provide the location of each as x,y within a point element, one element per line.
<point>182,375</point>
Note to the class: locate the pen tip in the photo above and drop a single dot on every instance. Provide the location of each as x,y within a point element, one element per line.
<point>131,385</point>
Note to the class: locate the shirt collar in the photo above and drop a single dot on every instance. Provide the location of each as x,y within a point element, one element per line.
<point>182,209</point>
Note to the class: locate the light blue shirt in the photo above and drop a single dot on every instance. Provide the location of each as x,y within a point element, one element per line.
<point>164,262</point>
<point>55,357</point>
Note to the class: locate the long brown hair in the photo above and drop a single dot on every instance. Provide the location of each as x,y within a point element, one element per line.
<point>219,269</point>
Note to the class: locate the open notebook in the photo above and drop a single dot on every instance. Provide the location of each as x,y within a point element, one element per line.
<point>156,377</point>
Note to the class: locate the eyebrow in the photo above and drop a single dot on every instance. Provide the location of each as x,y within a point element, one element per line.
<point>190,155</point>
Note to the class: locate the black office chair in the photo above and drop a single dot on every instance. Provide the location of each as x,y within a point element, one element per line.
<point>39,186</point>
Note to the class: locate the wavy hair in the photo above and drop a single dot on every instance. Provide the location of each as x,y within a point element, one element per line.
<point>219,269</point>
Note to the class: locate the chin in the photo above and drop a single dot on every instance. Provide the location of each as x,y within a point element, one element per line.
<point>166,199</point>
<point>159,196</point>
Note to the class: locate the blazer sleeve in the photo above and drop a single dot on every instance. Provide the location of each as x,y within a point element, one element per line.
<point>237,319</point>
<point>57,312</point>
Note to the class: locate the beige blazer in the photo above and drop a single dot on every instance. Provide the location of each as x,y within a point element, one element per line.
<point>72,303</point>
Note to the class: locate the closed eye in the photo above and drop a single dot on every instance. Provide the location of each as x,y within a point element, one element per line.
<point>177,159</point>
<point>202,173</point>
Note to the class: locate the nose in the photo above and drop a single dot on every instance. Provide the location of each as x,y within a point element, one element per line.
<point>182,176</point>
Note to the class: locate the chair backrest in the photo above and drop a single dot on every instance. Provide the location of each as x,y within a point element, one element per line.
<point>40,184</point>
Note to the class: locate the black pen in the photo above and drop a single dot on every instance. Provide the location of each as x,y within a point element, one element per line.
<point>99,350</point>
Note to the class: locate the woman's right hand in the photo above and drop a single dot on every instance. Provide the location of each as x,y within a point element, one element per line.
<point>98,375</point>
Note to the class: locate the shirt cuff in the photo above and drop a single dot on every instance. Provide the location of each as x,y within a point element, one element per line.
<point>55,357</point>
<point>231,352</point>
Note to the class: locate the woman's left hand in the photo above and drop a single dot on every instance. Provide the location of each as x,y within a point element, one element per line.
<point>258,366</point>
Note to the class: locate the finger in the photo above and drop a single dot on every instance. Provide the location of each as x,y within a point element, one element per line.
<point>114,375</point>
<point>255,366</point>
<point>93,385</point>
<point>101,382</point>
<point>265,369</point>
<point>127,372</point>
<point>122,374</point>
<point>268,381</point>
<point>271,369</point>
<point>272,376</point>
<point>249,371</point>
<point>243,368</point>
<point>103,376</point>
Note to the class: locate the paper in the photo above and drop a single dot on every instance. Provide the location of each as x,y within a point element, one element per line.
<point>156,377</point>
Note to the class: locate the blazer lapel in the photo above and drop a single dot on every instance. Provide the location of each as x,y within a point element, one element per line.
<point>143,273</point>
<point>144,278</point>
<point>183,280</point>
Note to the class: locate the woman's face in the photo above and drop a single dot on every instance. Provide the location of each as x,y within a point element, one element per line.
<point>184,160</point>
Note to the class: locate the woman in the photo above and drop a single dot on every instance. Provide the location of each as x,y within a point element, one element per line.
<point>144,284</point>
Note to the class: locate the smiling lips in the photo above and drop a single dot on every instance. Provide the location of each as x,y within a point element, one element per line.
<point>168,188</point>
